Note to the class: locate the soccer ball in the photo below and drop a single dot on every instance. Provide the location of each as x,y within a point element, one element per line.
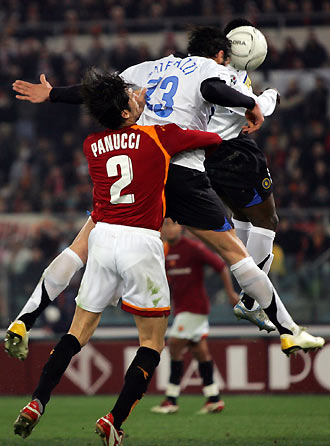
<point>248,48</point>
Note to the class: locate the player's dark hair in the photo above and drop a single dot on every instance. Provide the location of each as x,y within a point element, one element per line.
<point>207,41</point>
<point>105,96</point>
<point>236,23</point>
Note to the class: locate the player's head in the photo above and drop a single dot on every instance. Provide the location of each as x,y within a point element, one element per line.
<point>109,99</point>
<point>236,23</point>
<point>207,41</point>
<point>171,232</point>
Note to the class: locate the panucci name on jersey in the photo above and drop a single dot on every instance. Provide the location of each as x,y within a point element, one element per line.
<point>115,141</point>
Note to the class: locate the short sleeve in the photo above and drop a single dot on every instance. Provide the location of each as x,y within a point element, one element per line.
<point>211,69</point>
<point>137,74</point>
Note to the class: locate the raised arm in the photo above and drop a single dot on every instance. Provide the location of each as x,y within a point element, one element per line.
<point>217,92</point>
<point>44,91</point>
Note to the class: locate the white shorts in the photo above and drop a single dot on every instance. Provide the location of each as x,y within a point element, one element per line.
<point>130,260</point>
<point>190,326</point>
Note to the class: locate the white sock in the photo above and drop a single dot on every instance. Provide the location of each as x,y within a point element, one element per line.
<point>211,390</point>
<point>56,277</point>
<point>242,229</point>
<point>260,247</point>
<point>256,284</point>
<point>173,390</point>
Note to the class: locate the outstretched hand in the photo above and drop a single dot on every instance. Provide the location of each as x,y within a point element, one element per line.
<point>254,118</point>
<point>34,93</point>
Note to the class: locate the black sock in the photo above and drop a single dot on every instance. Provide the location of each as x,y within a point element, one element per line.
<point>271,312</point>
<point>30,318</point>
<point>247,301</point>
<point>176,372</point>
<point>175,377</point>
<point>137,379</point>
<point>206,371</point>
<point>56,365</point>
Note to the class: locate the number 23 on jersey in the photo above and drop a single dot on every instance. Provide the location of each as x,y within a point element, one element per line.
<point>170,85</point>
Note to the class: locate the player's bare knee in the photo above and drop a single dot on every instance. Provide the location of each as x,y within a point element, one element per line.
<point>157,345</point>
<point>266,221</point>
<point>81,249</point>
<point>176,348</point>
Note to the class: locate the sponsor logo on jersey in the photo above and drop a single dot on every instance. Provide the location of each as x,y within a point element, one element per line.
<point>179,271</point>
<point>266,183</point>
<point>172,257</point>
<point>247,82</point>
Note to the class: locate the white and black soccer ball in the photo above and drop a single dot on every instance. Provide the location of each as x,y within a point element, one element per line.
<point>248,48</point>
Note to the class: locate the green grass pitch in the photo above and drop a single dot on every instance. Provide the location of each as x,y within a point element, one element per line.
<point>246,421</point>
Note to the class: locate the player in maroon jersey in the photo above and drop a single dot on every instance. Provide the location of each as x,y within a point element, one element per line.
<point>185,260</point>
<point>128,166</point>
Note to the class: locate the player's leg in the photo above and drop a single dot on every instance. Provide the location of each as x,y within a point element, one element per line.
<point>201,353</point>
<point>261,235</point>
<point>240,177</point>
<point>256,284</point>
<point>242,227</point>
<point>250,277</point>
<point>138,376</point>
<point>258,238</point>
<point>140,263</point>
<point>193,202</point>
<point>82,327</point>
<point>187,329</point>
<point>96,292</point>
<point>53,281</point>
<point>177,347</point>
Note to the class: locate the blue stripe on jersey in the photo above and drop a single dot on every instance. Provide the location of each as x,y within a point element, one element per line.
<point>245,78</point>
<point>225,227</point>
<point>255,200</point>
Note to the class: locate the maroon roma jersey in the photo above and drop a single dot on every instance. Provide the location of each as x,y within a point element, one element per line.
<point>185,263</point>
<point>129,166</point>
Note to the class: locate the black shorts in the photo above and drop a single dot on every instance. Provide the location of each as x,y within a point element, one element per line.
<point>191,201</point>
<point>238,172</point>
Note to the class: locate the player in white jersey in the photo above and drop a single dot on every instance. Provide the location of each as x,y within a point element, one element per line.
<point>189,197</point>
<point>240,176</point>
<point>164,78</point>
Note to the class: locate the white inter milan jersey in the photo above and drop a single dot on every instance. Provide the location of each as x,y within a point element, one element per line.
<point>174,96</point>
<point>228,122</point>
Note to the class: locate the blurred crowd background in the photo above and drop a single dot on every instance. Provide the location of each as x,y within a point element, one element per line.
<point>45,189</point>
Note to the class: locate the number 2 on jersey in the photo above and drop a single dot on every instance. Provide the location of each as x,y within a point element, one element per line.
<point>126,171</point>
<point>163,110</point>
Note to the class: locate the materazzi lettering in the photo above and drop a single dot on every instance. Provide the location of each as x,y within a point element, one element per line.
<point>115,142</point>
